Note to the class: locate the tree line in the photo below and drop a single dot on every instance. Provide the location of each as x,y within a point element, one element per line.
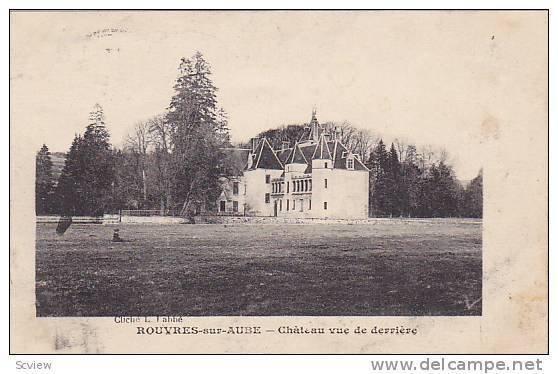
<point>174,161</point>
<point>411,186</point>
<point>170,162</point>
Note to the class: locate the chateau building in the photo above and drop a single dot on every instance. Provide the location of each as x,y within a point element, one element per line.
<point>316,178</point>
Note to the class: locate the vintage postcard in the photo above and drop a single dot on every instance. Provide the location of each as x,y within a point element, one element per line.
<point>279,181</point>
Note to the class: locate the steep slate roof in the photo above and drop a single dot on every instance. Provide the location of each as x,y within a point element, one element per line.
<point>326,149</point>
<point>266,157</point>
<point>296,156</point>
<point>308,151</point>
<point>283,154</point>
<point>322,150</point>
<point>340,153</point>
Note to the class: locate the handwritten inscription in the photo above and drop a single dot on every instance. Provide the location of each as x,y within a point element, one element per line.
<point>105,33</point>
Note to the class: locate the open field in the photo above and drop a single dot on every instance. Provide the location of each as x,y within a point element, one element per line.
<point>392,267</point>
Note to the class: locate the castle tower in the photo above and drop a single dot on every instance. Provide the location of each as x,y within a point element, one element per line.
<point>313,130</point>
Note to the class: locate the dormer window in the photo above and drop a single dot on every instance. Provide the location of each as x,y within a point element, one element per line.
<point>350,163</point>
<point>325,164</point>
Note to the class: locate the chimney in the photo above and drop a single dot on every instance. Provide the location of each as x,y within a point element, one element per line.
<point>337,133</point>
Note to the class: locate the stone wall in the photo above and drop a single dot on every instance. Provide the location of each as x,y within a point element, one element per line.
<point>232,220</point>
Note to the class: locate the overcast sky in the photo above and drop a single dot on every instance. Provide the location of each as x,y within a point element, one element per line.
<point>429,78</point>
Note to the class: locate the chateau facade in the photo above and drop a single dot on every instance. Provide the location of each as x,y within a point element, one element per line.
<point>316,178</point>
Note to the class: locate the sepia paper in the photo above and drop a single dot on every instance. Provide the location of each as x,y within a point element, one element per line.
<point>498,61</point>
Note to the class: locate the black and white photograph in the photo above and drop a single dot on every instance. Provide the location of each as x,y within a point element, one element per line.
<point>275,163</point>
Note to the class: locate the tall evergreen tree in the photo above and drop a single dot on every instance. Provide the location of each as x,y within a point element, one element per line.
<point>471,205</point>
<point>439,192</point>
<point>411,178</point>
<point>44,182</point>
<point>394,188</point>
<point>199,131</point>
<point>98,166</point>
<point>85,185</point>
<point>70,181</point>
<point>379,181</point>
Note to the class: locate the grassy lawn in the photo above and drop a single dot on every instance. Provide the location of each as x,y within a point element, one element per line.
<point>393,267</point>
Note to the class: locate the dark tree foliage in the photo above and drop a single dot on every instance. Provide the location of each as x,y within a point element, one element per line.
<point>98,172</point>
<point>44,182</point>
<point>85,186</point>
<point>289,134</point>
<point>158,171</point>
<point>472,198</point>
<point>128,182</point>
<point>199,131</point>
<point>70,181</point>
<point>439,192</point>
<point>159,179</point>
<point>380,195</point>
<point>410,184</point>
<point>393,177</point>
<point>404,188</point>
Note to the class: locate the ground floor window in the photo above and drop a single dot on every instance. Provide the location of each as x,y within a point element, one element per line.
<point>301,204</point>
<point>221,206</point>
<point>281,205</point>
<point>325,205</point>
<point>288,203</point>
<point>235,206</point>
<point>294,204</point>
<point>267,199</point>
<point>310,204</point>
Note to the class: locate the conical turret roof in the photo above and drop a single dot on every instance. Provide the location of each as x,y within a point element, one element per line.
<point>296,156</point>
<point>322,150</point>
